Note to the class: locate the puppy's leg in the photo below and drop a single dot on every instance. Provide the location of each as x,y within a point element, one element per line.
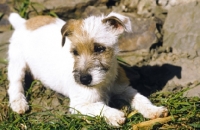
<point>143,105</point>
<point>146,108</point>
<point>138,101</point>
<point>112,116</point>
<point>16,72</point>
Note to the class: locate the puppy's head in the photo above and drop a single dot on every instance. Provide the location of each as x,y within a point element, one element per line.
<point>94,47</point>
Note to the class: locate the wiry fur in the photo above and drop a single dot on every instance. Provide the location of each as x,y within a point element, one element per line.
<point>84,67</point>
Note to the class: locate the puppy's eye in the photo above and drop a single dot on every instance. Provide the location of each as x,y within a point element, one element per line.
<point>75,52</point>
<point>99,49</point>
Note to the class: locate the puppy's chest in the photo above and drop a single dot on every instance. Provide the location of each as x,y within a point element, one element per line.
<point>99,96</point>
<point>105,96</point>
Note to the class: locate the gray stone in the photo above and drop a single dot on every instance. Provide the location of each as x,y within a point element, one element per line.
<point>181,28</point>
<point>143,8</point>
<point>4,41</point>
<point>52,4</point>
<point>195,91</point>
<point>168,4</point>
<point>67,9</point>
<point>4,12</point>
<point>96,11</point>
<point>142,37</point>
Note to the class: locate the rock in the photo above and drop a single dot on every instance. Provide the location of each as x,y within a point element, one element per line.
<point>181,28</point>
<point>168,4</point>
<point>4,38</point>
<point>141,7</point>
<point>146,8</point>
<point>97,11</point>
<point>52,4</point>
<point>67,9</point>
<point>4,12</point>
<point>61,7</point>
<point>195,91</point>
<point>142,37</point>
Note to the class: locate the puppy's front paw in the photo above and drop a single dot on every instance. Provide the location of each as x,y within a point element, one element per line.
<point>19,105</point>
<point>155,112</point>
<point>114,117</point>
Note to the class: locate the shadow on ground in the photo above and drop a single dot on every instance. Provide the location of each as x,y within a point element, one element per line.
<point>149,79</point>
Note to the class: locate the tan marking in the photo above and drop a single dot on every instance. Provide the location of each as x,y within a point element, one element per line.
<point>80,38</point>
<point>39,21</point>
<point>71,28</point>
<point>122,79</point>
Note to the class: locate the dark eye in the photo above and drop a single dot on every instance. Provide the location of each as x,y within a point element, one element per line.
<point>99,49</point>
<point>75,52</point>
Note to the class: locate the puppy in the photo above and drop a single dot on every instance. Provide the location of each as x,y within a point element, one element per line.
<point>80,63</point>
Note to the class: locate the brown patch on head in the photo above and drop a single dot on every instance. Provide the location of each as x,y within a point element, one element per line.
<point>71,27</point>
<point>39,21</point>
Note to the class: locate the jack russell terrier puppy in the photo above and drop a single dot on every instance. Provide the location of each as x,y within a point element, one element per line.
<point>76,58</point>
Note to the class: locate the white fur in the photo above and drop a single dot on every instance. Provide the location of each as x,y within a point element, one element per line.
<point>40,51</point>
<point>103,34</point>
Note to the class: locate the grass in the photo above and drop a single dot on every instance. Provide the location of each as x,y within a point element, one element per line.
<point>26,7</point>
<point>49,111</point>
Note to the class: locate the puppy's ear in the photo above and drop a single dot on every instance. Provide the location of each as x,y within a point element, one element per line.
<point>119,22</point>
<point>67,29</point>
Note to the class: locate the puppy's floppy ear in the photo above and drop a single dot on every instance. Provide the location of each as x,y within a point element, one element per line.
<point>119,22</point>
<point>67,29</point>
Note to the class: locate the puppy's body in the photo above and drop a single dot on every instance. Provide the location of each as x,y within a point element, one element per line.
<point>84,67</point>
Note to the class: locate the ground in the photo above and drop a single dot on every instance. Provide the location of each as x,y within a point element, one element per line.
<point>49,110</point>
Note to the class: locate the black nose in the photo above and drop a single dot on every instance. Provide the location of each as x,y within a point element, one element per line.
<point>86,79</point>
